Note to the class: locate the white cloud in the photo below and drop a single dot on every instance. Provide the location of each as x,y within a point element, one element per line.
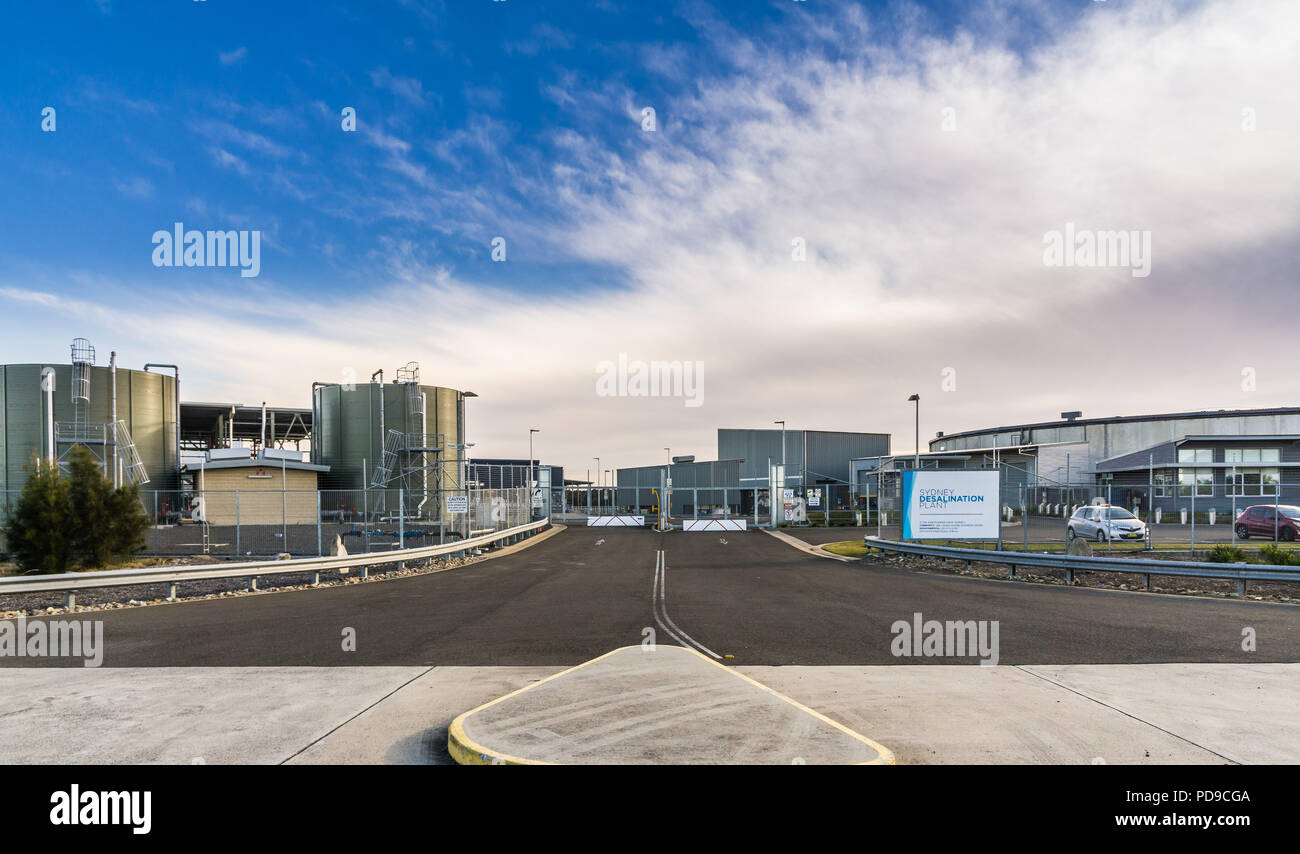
<point>232,57</point>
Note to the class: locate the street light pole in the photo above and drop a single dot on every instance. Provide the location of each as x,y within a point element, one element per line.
<point>782,423</point>
<point>916,398</point>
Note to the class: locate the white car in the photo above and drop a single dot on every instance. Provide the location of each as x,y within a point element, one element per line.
<point>1102,522</point>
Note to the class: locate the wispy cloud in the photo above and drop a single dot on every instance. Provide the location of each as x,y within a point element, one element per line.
<point>233,56</point>
<point>407,89</point>
<point>134,187</point>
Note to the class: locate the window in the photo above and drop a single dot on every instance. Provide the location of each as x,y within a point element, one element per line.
<point>1251,455</point>
<point>1251,481</point>
<point>1195,455</point>
<point>1164,482</point>
<point>1201,481</point>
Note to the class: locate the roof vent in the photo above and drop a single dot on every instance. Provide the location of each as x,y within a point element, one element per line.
<point>1070,416</point>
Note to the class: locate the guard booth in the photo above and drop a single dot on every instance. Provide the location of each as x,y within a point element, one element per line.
<point>542,497</point>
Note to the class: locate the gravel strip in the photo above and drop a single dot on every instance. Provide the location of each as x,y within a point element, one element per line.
<point>136,595</point>
<point>1259,591</point>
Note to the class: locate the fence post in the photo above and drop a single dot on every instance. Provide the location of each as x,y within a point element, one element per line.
<point>237,551</point>
<point>401,518</point>
<point>155,521</point>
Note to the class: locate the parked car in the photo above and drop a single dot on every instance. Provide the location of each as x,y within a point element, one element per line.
<point>1101,522</point>
<point>1258,521</point>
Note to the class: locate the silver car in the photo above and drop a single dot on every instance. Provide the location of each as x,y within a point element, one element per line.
<point>1101,522</point>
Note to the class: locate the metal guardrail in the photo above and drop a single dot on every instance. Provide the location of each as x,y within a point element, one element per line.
<point>70,582</point>
<point>1072,564</point>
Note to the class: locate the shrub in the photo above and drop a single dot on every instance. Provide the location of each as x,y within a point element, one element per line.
<point>1226,554</point>
<point>41,527</point>
<point>1278,556</point>
<point>61,521</point>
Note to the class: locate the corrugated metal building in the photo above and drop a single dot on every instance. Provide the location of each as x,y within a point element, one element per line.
<point>811,456</point>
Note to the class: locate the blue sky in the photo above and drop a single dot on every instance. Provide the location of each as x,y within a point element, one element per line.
<point>920,151</point>
<point>222,114</point>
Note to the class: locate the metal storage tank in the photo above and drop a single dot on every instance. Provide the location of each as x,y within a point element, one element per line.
<point>146,402</point>
<point>348,430</point>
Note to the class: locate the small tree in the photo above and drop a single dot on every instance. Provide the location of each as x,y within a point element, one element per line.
<point>78,519</point>
<point>41,528</point>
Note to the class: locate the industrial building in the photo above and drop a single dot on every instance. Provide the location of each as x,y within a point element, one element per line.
<point>749,462</point>
<point>397,441</point>
<point>1214,459</point>
<point>272,489</point>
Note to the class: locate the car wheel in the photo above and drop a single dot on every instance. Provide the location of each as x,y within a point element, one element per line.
<point>1101,535</point>
<point>1243,533</point>
<point>1069,532</point>
<point>1288,534</point>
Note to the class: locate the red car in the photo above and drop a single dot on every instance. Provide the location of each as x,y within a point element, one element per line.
<point>1258,521</point>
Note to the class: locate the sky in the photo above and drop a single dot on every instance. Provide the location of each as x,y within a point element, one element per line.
<point>835,205</point>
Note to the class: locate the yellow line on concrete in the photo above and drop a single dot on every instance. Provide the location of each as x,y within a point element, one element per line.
<point>885,756</point>
<point>467,751</point>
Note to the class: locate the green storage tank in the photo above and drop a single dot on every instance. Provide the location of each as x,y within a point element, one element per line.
<point>145,401</point>
<point>348,430</point>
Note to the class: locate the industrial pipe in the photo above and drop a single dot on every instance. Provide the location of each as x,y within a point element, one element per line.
<point>383,434</point>
<point>315,419</point>
<point>176,394</point>
<point>47,386</point>
<point>117,460</point>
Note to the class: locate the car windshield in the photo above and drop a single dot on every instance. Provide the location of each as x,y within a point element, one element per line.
<point>1289,511</point>
<point>1120,513</point>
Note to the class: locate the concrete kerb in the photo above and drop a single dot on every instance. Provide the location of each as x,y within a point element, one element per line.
<point>807,548</point>
<point>468,750</point>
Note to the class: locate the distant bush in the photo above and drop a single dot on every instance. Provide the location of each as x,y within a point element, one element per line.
<point>1278,556</point>
<point>1226,554</point>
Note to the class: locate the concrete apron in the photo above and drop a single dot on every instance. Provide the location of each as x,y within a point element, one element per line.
<point>654,705</point>
<point>925,714</point>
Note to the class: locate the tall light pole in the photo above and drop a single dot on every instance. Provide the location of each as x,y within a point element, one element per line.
<point>599,482</point>
<point>916,398</point>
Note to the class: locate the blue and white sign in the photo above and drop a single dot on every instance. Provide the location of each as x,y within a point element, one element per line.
<point>950,505</point>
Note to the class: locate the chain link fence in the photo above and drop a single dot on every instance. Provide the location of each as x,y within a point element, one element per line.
<point>265,523</point>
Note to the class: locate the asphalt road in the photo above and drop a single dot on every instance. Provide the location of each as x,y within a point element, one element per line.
<point>582,593</point>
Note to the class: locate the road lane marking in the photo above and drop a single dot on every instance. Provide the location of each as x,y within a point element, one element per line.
<point>660,604</point>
